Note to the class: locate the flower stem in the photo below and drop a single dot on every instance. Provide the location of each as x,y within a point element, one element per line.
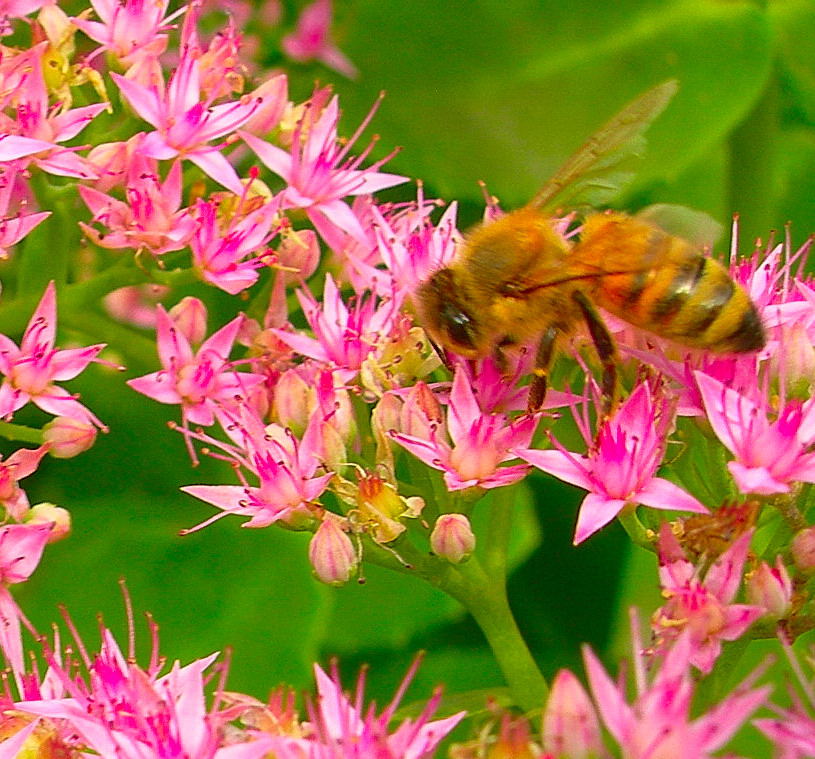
<point>485,598</point>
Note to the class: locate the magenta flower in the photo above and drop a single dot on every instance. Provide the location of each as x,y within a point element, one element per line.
<point>31,370</point>
<point>223,250</point>
<point>480,442</point>
<point>284,466</point>
<point>702,607</point>
<point>199,381</point>
<point>184,123</point>
<point>120,710</point>
<point>658,723</point>
<point>341,730</point>
<point>620,466</point>
<point>344,337</point>
<point>769,455</point>
<point>152,217</point>
<point>312,40</point>
<point>319,173</point>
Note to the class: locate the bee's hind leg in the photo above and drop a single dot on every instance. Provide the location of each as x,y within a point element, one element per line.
<point>540,374</point>
<point>606,352</point>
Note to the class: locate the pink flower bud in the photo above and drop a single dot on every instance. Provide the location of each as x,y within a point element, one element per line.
<point>298,255</point>
<point>332,553</point>
<point>452,538</point>
<point>190,318</point>
<point>803,550</point>
<point>48,513</point>
<point>570,724</point>
<point>770,588</point>
<point>293,401</point>
<point>67,437</point>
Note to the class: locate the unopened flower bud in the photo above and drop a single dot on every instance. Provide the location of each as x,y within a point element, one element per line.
<point>570,724</point>
<point>293,401</point>
<point>803,550</point>
<point>190,318</point>
<point>770,588</point>
<point>332,554</point>
<point>48,513</point>
<point>452,538</point>
<point>298,255</point>
<point>68,437</point>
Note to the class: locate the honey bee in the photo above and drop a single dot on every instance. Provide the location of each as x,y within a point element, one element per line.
<point>517,280</point>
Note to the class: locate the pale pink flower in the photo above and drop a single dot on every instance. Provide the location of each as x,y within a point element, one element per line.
<point>128,28</point>
<point>37,128</point>
<point>342,730</point>
<point>31,369</point>
<point>319,172</point>
<point>479,442</point>
<point>770,453</point>
<point>21,547</point>
<point>344,337</point>
<point>199,381</point>
<point>792,729</point>
<point>185,125</point>
<point>311,40</point>
<point>702,607</point>
<point>152,217</point>
<point>285,467</point>
<point>14,224</point>
<point>20,464</point>
<point>571,727</point>
<point>620,466</point>
<point>658,723</point>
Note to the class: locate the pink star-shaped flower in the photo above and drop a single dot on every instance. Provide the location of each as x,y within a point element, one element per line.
<point>31,369</point>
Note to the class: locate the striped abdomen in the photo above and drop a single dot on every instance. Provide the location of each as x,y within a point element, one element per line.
<point>669,287</point>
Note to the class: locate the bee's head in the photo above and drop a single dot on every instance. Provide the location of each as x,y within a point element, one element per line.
<point>448,318</point>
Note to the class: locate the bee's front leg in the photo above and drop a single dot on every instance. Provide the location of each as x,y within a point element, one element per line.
<point>606,352</point>
<point>540,374</point>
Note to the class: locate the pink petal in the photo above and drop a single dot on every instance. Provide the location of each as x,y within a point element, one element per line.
<point>215,165</point>
<point>596,512</point>
<point>159,386</point>
<point>724,577</point>
<point>557,463</point>
<point>226,497</point>
<point>66,364</point>
<point>616,713</point>
<point>42,326</point>
<point>752,479</point>
<point>146,101</point>
<point>662,494</point>
<point>13,146</point>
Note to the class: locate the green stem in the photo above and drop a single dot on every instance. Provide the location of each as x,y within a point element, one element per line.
<point>636,530</point>
<point>486,599</point>
<point>19,433</point>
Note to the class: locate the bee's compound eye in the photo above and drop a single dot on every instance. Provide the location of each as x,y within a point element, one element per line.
<point>459,327</point>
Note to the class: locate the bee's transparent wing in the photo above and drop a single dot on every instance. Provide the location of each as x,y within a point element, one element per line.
<point>597,171</point>
<point>694,226</point>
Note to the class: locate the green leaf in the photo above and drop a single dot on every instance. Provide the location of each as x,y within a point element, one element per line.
<point>505,91</point>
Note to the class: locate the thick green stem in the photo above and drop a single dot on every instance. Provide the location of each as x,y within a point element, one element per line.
<point>486,599</point>
<point>19,433</point>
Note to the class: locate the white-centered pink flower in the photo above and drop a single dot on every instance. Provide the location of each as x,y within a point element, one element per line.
<point>200,381</point>
<point>186,121</point>
<point>772,449</point>
<point>702,606</point>
<point>479,442</point>
<point>319,172</point>
<point>621,464</point>
<point>31,369</point>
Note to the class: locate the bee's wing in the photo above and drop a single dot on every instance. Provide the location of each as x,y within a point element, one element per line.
<point>694,226</point>
<point>594,174</point>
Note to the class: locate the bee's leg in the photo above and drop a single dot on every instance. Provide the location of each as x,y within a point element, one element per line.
<point>606,352</point>
<point>540,374</point>
<point>441,353</point>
